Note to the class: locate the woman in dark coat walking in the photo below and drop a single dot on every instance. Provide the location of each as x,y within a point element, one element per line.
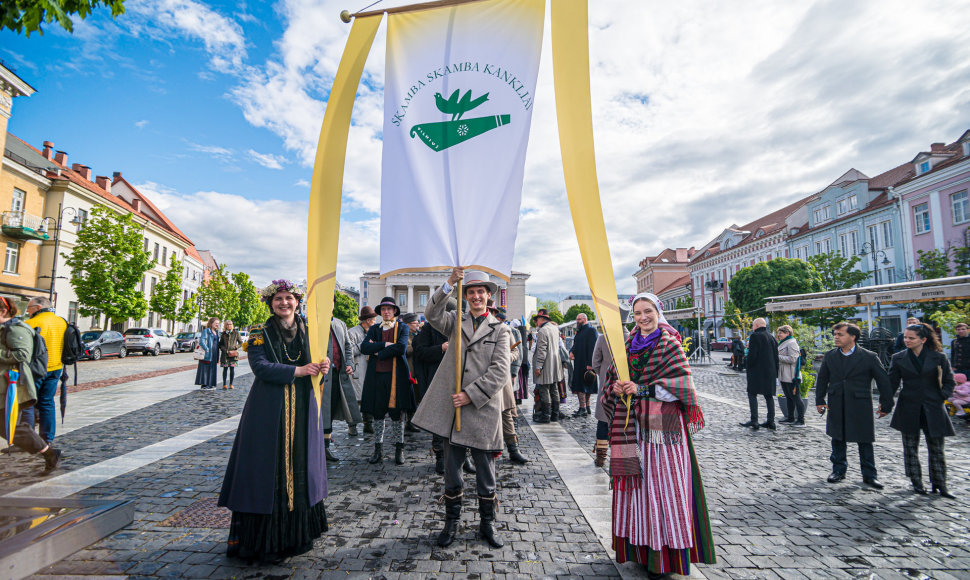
<point>582,356</point>
<point>230,341</point>
<point>276,478</point>
<point>927,382</point>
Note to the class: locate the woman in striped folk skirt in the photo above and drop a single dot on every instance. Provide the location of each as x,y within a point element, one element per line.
<point>660,514</point>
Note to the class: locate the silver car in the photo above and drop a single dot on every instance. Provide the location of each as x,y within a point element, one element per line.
<point>149,341</point>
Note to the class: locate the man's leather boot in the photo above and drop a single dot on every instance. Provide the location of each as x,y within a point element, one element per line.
<point>399,453</point>
<point>486,511</point>
<point>452,515</point>
<point>378,455</point>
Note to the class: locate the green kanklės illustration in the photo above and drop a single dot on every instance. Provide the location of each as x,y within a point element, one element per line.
<point>445,134</point>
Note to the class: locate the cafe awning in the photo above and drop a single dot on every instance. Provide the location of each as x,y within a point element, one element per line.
<point>953,288</point>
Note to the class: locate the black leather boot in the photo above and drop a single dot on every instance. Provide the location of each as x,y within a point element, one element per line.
<point>486,511</point>
<point>399,453</point>
<point>331,458</point>
<point>368,424</point>
<point>543,414</point>
<point>514,455</point>
<point>918,486</point>
<point>52,458</point>
<point>378,455</point>
<point>452,515</point>
<point>941,489</point>
<point>468,466</point>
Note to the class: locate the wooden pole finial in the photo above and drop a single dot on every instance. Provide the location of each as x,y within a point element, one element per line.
<point>346,16</point>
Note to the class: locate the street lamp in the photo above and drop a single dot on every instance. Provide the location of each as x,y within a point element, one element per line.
<point>57,239</point>
<point>868,249</point>
<point>714,286</point>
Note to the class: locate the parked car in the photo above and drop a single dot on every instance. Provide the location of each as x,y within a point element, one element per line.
<point>722,343</point>
<point>244,334</point>
<point>99,343</point>
<point>149,341</point>
<point>187,341</point>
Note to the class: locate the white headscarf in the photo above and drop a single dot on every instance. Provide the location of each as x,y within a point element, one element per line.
<point>656,304</point>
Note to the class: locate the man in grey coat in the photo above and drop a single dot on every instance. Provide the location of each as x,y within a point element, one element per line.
<point>547,366</point>
<point>339,399</point>
<point>485,358</point>
<point>356,335</point>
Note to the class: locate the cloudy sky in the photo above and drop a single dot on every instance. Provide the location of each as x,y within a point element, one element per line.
<point>704,113</point>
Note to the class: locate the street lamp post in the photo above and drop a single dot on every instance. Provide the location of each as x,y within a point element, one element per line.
<point>714,286</point>
<point>57,240</point>
<point>868,249</point>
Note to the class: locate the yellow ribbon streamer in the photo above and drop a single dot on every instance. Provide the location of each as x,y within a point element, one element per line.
<point>326,188</point>
<point>570,66</point>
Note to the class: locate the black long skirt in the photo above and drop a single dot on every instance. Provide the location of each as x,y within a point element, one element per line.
<point>284,533</point>
<point>377,393</point>
<point>207,374</point>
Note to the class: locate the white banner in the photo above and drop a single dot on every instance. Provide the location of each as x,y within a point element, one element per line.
<point>459,89</point>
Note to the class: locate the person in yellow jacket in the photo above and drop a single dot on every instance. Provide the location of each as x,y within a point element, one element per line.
<point>16,350</point>
<point>41,315</point>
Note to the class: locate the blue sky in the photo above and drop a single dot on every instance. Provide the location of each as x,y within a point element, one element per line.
<point>705,114</point>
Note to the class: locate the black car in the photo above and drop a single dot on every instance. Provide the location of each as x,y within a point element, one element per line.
<point>99,343</point>
<point>187,341</point>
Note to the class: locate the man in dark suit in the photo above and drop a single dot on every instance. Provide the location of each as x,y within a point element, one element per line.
<point>762,365</point>
<point>846,378</point>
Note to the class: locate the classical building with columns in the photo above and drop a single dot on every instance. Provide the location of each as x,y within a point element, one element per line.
<point>413,290</point>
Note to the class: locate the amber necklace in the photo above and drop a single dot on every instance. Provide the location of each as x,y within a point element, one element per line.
<point>286,352</point>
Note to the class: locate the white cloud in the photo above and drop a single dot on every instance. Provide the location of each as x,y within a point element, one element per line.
<point>302,183</point>
<point>704,114</point>
<point>268,160</point>
<point>220,153</point>
<point>222,37</point>
<point>141,124</point>
<point>265,239</point>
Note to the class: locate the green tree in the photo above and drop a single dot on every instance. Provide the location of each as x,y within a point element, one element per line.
<point>188,310</point>
<point>218,296</point>
<point>248,310</point>
<point>345,308</point>
<point>734,318</point>
<point>573,311</point>
<point>553,308</point>
<point>834,273</point>
<point>956,311</point>
<point>107,264</point>
<point>933,264</point>
<point>688,302</point>
<point>165,300</point>
<point>752,286</point>
<point>29,15</point>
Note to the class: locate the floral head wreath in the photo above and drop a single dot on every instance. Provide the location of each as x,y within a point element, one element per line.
<point>267,293</point>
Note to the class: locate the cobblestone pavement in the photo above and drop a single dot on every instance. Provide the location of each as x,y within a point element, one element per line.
<point>775,516</point>
<point>772,512</point>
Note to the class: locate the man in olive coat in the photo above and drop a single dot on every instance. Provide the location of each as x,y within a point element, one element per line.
<point>485,358</point>
<point>762,373</point>
<point>846,379</point>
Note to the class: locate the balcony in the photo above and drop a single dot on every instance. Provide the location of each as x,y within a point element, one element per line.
<point>23,226</point>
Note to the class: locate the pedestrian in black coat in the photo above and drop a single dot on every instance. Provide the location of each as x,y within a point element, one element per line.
<point>927,382</point>
<point>846,379</point>
<point>581,354</point>
<point>762,369</point>
<point>429,348</point>
<point>960,350</point>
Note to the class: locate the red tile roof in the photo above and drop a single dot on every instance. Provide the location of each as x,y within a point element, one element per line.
<point>682,281</point>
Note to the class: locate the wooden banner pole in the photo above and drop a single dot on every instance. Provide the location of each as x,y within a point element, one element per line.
<point>458,357</point>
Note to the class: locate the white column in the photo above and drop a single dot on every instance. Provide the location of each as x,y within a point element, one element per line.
<point>410,304</point>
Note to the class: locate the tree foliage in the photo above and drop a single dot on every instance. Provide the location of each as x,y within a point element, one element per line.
<point>165,300</point>
<point>956,311</point>
<point>218,296</point>
<point>107,264</point>
<point>188,310</point>
<point>834,273</point>
<point>250,307</point>
<point>345,308</point>
<point>26,16</point>
<point>734,318</point>
<point>553,307</point>
<point>573,311</point>
<point>933,264</point>
<point>752,286</point>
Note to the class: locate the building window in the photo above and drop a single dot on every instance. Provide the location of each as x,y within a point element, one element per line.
<point>847,204</point>
<point>155,253</point>
<point>921,214</point>
<point>961,207</point>
<point>402,300</point>
<point>154,283</point>
<point>82,218</point>
<point>924,167</point>
<point>849,244</point>
<point>146,245</point>
<point>13,256</point>
<point>72,312</point>
<point>423,299</point>
<point>887,234</point>
<point>141,287</point>
<point>164,256</point>
<point>823,214</point>
<point>96,321</point>
<point>890,275</point>
<point>872,233</point>
<point>18,200</point>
